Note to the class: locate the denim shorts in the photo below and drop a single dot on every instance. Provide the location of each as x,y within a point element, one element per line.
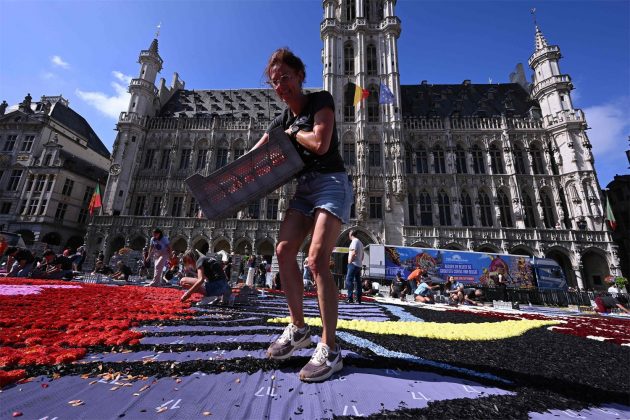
<point>331,192</point>
<point>216,288</point>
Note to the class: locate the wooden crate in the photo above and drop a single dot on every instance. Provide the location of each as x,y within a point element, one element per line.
<point>249,178</point>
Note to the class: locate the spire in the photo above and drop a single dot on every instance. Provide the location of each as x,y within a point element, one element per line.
<point>540,40</point>
<point>154,46</point>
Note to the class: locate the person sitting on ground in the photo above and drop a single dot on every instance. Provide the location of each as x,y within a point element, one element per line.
<point>454,290</point>
<point>210,281</point>
<point>101,268</point>
<point>604,304</point>
<point>368,289</point>
<point>276,282</point>
<point>79,258</point>
<point>53,267</point>
<point>172,266</point>
<point>424,293</point>
<point>19,261</point>
<point>123,271</point>
<point>307,277</point>
<point>399,287</point>
<point>473,297</point>
<point>415,278</point>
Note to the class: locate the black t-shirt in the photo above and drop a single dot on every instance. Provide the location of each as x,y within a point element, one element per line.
<point>329,162</point>
<point>211,268</point>
<point>399,284</point>
<point>24,254</point>
<point>65,263</point>
<point>125,270</point>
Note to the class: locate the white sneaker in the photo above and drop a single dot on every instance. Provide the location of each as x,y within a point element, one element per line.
<point>209,300</point>
<point>323,364</point>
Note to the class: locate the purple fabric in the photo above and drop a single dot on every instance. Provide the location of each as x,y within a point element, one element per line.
<point>182,328</point>
<point>274,394</point>
<point>196,355</point>
<point>209,339</point>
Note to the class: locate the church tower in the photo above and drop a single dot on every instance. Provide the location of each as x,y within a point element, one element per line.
<point>360,48</point>
<point>568,146</point>
<point>143,104</point>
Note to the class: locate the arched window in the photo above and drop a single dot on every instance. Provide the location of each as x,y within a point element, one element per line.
<point>538,161</point>
<point>351,10</point>
<point>374,154</point>
<point>426,212</point>
<point>485,209</point>
<point>372,105</point>
<point>519,160</point>
<point>479,164</point>
<point>549,218</point>
<point>221,158</point>
<point>238,152</point>
<point>202,159</point>
<point>506,209</point>
<point>349,155</point>
<point>467,210</point>
<point>422,161</point>
<point>496,160</point>
<point>408,160</point>
<point>460,160</point>
<point>529,210</point>
<point>348,59</point>
<point>444,208</point>
<point>412,210</point>
<point>366,9</point>
<point>371,64</point>
<point>439,163</point>
<point>573,192</point>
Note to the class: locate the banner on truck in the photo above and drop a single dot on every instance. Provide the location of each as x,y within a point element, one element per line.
<point>466,267</point>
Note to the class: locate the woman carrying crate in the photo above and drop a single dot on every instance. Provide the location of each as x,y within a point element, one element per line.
<point>320,206</point>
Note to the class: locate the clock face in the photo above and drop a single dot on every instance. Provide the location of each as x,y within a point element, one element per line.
<point>115,169</point>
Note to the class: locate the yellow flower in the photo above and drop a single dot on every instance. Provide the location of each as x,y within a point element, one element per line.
<point>440,331</point>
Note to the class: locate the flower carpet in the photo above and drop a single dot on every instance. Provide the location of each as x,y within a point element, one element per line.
<point>72,350</point>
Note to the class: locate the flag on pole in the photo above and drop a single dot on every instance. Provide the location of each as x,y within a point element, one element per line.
<point>95,202</point>
<point>355,93</point>
<point>610,216</point>
<point>386,96</point>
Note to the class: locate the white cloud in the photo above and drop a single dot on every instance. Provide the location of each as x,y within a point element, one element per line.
<point>48,75</point>
<point>113,105</point>
<point>58,62</point>
<point>610,127</point>
<point>122,77</point>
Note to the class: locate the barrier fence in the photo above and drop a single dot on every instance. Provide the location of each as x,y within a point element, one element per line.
<point>534,296</point>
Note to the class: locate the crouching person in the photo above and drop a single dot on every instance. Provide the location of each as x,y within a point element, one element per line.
<point>53,266</point>
<point>210,281</point>
<point>424,293</point>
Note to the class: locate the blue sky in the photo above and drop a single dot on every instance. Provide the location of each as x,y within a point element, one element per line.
<point>87,51</point>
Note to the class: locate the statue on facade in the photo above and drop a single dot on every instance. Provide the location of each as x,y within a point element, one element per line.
<point>26,104</point>
<point>3,107</point>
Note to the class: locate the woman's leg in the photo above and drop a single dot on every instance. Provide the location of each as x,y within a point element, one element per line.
<point>294,229</point>
<point>325,233</point>
<point>188,282</point>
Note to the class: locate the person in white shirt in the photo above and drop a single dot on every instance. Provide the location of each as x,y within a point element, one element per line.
<point>160,249</point>
<point>355,262</point>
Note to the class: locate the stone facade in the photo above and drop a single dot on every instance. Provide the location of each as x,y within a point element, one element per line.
<point>498,168</point>
<point>50,163</point>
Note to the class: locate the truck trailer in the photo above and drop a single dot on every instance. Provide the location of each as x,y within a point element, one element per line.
<point>467,267</point>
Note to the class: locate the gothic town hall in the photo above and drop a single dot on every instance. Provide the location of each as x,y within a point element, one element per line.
<point>503,168</point>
